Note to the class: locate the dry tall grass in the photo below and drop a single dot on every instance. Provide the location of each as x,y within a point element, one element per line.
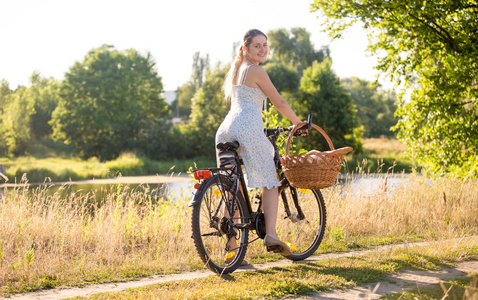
<point>405,206</point>
<point>46,240</point>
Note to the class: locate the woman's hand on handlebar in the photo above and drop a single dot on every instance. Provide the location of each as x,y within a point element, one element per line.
<point>302,130</point>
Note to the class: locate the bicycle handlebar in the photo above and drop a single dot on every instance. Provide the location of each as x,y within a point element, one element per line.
<point>281,130</point>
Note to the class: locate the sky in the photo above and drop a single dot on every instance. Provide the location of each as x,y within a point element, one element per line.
<point>49,36</point>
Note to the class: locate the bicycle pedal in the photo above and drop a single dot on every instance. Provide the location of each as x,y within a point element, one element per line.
<point>275,248</point>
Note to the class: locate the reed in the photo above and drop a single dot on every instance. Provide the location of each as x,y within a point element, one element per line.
<point>48,240</point>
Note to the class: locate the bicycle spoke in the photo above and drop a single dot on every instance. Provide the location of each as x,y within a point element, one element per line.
<point>303,233</point>
<point>217,233</point>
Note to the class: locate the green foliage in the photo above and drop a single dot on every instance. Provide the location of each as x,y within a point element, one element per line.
<point>110,103</point>
<point>45,148</point>
<point>186,92</point>
<point>294,48</point>
<point>200,67</point>
<point>441,134</point>
<point>156,139</point>
<point>4,92</point>
<point>322,94</point>
<point>182,105</point>
<point>45,95</point>
<point>273,119</point>
<point>375,108</point>
<point>25,113</point>
<point>336,234</point>
<point>209,109</point>
<point>284,77</point>
<point>430,47</point>
<point>15,129</point>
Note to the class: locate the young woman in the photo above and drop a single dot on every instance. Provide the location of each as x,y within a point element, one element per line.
<point>247,85</point>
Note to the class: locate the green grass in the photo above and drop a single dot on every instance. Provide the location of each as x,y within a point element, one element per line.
<point>380,155</point>
<point>65,169</point>
<point>305,278</point>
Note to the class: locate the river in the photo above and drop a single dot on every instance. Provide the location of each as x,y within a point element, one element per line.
<point>182,187</point>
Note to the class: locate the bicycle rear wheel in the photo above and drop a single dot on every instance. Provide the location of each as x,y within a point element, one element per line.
<point>220,245</point>
<point>303,233</point>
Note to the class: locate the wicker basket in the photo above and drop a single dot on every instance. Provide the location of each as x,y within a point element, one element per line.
<point>314,169</point>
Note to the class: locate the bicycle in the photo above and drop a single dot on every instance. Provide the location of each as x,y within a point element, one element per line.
<point>222,213</point>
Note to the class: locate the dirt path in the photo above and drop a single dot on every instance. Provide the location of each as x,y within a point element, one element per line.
<point>397,283</point>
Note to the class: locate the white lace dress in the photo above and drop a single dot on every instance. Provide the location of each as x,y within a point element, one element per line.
<point>244,124</point>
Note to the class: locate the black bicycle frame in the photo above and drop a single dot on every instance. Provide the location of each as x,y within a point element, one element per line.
<point>272,135</point>
<point>239,183</point>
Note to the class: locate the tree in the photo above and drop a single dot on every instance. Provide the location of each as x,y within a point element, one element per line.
<point>186,92</point>
<point>292,52</point>
<point>284,77</point>
<point>107,101</point>
<point>25,113</point>
<point>375,108</point>
<point>209,108</point>
<point>429,46</point>
<point>15,127</point>
<point>184,95</point>
<point>4,100</point>
<point>4,92</point>
<point>294,48</point>
<point>322,94</point>
<point>45,96</point>
<point>200,67</point>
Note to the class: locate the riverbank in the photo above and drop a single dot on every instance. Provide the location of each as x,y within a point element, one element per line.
<point>150,179</point>
<point>379,156</point>
<point>64,169</point>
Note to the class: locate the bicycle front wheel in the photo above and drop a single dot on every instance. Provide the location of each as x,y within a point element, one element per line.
<point>218,240</point>
<point>302,225</point>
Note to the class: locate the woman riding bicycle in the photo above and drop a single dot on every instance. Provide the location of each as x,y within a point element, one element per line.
<point>247,85</point>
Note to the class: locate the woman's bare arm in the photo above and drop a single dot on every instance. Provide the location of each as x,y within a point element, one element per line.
<point>258,76</point>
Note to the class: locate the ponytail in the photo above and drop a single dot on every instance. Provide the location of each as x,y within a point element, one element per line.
<point>236,64</point>
<point>233,72</point>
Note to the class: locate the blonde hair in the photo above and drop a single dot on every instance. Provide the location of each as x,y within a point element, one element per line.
<point>236,63</point>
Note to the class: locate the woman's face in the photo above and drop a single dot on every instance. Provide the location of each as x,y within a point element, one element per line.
<point>257,50</point>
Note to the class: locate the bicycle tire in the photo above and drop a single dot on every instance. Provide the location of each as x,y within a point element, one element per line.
<point>303,236</point>
<point>208,231</point>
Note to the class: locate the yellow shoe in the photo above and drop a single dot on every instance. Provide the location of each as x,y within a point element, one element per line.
<point>229,260</point>
<point>274,244</point>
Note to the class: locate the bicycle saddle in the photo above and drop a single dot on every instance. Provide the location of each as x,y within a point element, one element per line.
<point>228,146</point>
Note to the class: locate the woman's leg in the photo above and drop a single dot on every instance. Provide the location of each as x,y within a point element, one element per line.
<point>270,204</point>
